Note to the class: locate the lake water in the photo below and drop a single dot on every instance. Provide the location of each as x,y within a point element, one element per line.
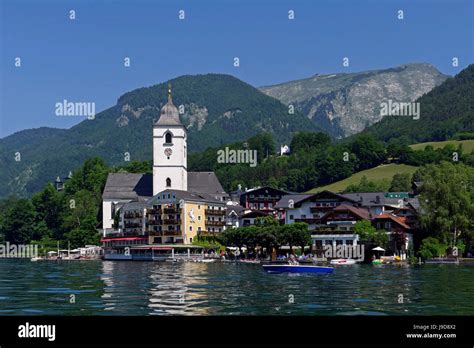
<point>158,288</point>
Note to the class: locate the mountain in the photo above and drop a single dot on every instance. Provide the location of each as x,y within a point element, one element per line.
<point>446,110</point>
<point>217,109</point>
<point>345,104</point>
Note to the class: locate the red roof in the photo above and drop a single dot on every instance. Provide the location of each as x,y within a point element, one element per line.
<point>398,219</point>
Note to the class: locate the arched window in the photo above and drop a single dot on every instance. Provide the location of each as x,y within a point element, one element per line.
<point>168,182</point>
<point>168,138</point>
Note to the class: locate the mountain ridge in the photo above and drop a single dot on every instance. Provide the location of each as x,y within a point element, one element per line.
<point>344,104</point>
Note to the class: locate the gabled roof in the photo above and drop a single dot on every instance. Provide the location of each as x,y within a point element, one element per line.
<point>284,202</point>
<point>302,197</point>
<point>360,212</point>
<point>255,189</point>
<point>254,214</point>
<point>367,198</point>
<point>398,219</point>
<point>238,209</point>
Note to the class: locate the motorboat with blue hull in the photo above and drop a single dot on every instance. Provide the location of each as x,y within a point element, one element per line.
<point>297,269</point>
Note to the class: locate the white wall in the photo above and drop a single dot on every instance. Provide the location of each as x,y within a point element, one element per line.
<point>175,167</point>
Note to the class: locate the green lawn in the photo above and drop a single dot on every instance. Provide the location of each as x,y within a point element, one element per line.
<point>385,171</point>
<point>467,145</point>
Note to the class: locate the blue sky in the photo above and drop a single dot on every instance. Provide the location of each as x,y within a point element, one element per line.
<point>82,60</point>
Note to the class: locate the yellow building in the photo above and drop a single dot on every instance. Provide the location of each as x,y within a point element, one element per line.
<point>178,217</point>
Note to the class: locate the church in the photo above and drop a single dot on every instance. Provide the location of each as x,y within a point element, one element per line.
<point>132,198</point>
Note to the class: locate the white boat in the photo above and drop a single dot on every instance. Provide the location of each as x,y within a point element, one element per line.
<point>34,259</point>
<point>342,262</point>
<point>205,260</point>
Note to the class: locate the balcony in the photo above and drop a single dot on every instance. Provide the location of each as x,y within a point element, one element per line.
<point>320,208</point>
<point>215,211</point>
<point>215,223</point>
<point>154,211</point>
<point>171,211</point>
<point>264,199</point>
<point>132,215</point>
<point>132,225</point>
<point>155,222</point>
<point>309,220</point>
<point>171,222</point>
<point>165,233</point>
<point>132,233</point>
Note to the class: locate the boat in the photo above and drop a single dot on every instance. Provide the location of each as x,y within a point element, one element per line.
<point>295,268</point>
<point>34,259</point>
<point>205,260</point>
<point>343,262</point>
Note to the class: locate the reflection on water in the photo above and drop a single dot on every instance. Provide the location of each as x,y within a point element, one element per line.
<point>155,288</point>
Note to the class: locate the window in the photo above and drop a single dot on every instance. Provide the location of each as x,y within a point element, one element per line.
<point>291,217</point>
<point>168,183</point>
<point>190,240</point>
<point>199,217</point>
<point>199,229</point>
<point>199,207</point>
<point>303,216</point>
<point>190,228</point>
<point>388,226</point>
<point>168,138</point>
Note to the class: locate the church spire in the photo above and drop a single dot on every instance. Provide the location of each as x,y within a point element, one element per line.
<point>169,115</point>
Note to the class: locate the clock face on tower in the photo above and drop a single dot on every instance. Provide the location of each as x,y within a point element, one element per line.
<point>168,152</point>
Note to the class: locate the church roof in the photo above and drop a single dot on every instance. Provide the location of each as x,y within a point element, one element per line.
<point>206,182</point>
<point>128,186</point>
<point>169,115</point>
<point>140,186</point>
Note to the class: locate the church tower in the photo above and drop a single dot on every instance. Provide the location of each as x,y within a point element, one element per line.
<point>169,150</point>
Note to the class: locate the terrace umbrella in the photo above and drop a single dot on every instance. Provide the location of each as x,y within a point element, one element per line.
<point>378,249</point>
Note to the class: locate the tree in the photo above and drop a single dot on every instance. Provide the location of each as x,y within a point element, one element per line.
<point>369,235</point>
<point>370,152</point>
<point>364,229</point>
<point>401,182</point>
<point>19,221</point>
<point>431,247</point>
<point>301,235</point>
<point>447,201</point>
<point>48,207</point>
<point>368,186</point>
<point>304,141</point>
